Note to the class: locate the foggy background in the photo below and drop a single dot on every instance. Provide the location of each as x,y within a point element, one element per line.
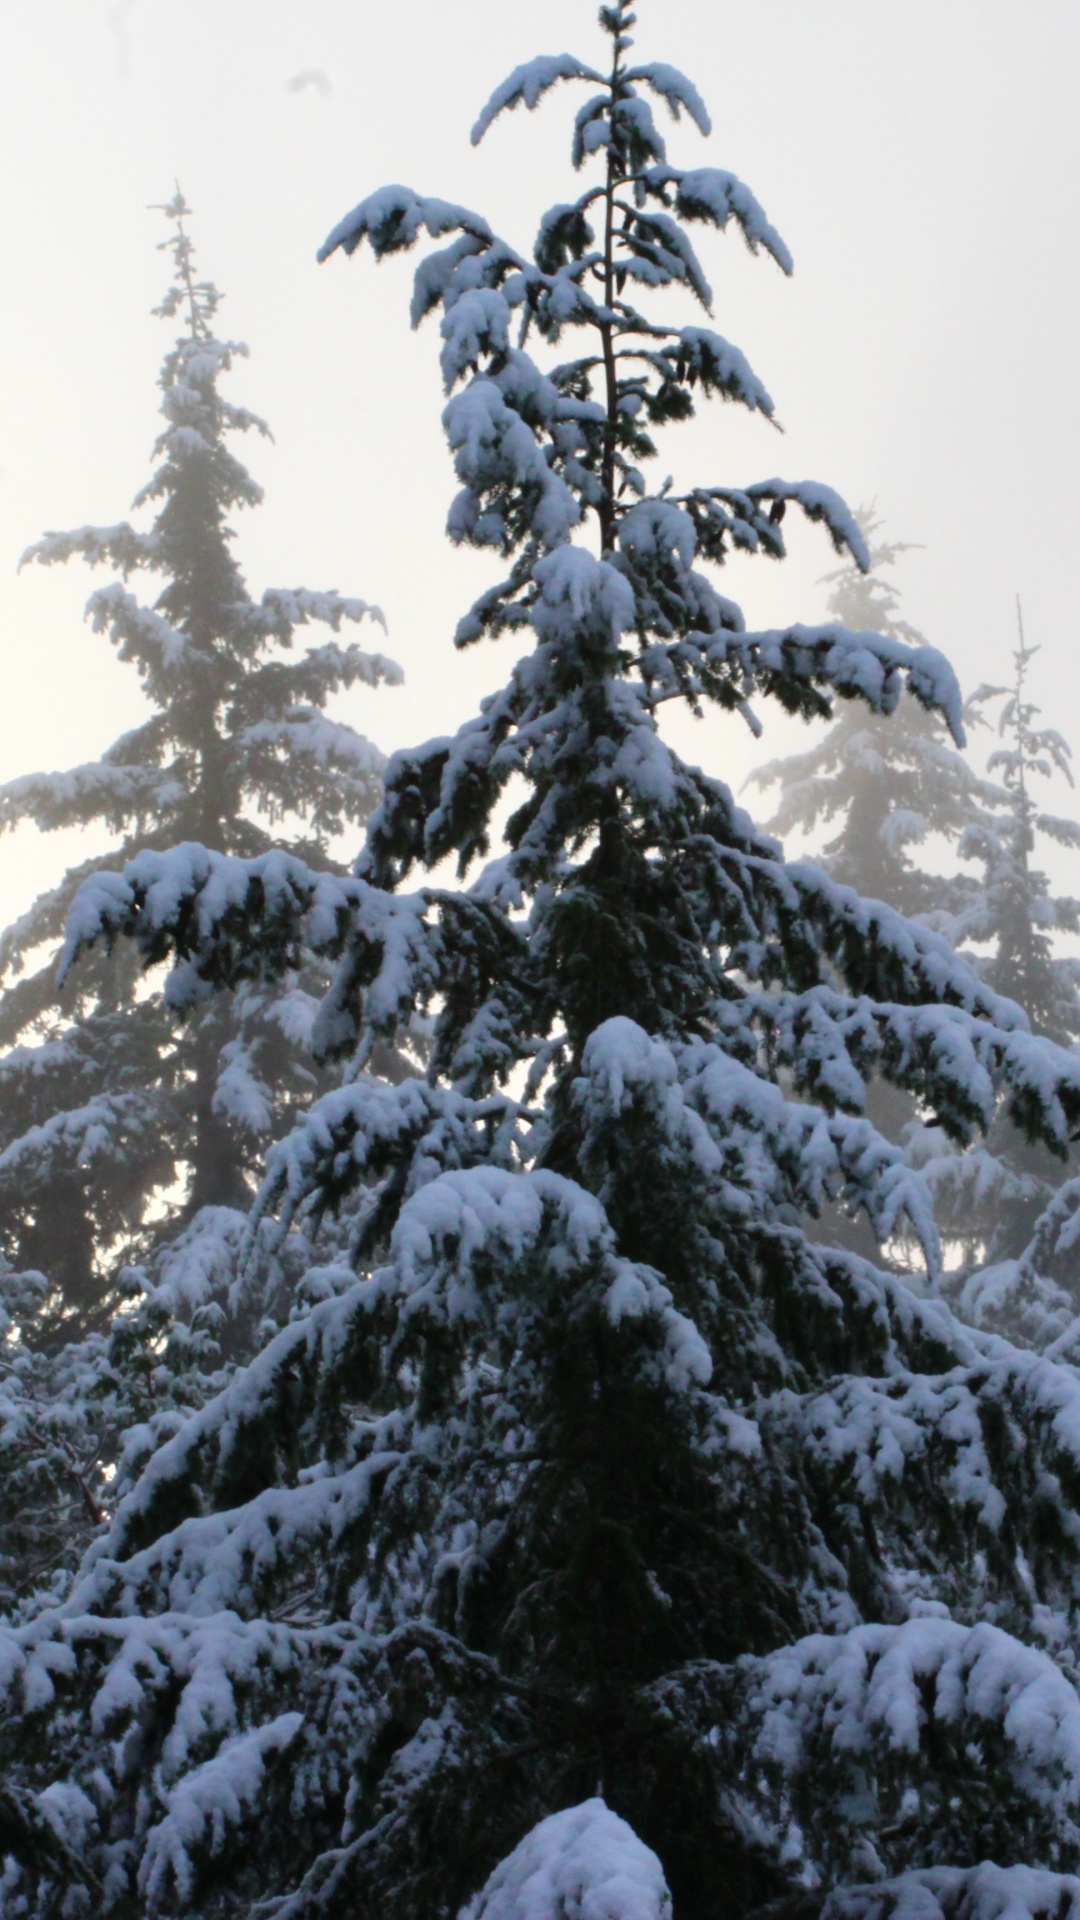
<point>919,157</point>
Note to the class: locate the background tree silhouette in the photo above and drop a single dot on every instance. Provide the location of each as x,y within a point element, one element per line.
<point>117,1124</point>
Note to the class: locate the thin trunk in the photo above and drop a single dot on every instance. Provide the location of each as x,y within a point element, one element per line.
<point>607,334</point>
<point>217,1173</point>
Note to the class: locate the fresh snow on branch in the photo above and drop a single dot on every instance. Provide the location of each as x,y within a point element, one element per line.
<point>529,83</point>
<point>583,1862</point>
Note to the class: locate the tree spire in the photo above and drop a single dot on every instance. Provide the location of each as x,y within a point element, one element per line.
<point>200,296</point>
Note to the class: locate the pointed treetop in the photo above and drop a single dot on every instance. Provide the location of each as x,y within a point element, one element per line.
<point>201,297</point>
<point>1040,750</point>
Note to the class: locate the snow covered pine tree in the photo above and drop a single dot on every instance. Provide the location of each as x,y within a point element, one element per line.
<point>596,1545</point>
<point>107,1104</point>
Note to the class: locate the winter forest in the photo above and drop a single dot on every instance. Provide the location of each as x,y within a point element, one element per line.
<point>539,1251</point>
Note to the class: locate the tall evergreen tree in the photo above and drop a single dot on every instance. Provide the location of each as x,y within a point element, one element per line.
<point>106,1104</point>
<point>596,1538</point>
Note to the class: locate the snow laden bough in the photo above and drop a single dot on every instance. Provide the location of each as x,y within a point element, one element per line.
<point>591,1538</point>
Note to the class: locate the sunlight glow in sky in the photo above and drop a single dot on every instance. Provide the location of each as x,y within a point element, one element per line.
<point>920,159</point>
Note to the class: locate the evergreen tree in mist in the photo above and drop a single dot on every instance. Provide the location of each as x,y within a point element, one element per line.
<point>1013,910</point>
<point>888,784</point>
<point>1005,1197</point>
<point>884,783</point>
<point>592,1541</point>
<point>117,1123</point>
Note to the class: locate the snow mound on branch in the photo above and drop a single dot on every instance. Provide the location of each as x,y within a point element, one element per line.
<point>886,1684</point>
<point>985,1892</point>
<point>676,89</point>
<point>392,218</point>
<point>447,1232</point>
<point>582,1864</point>
<point>580,594</point>
<point>494,448</point>
<point>529,82</point>
<point>209,1804</point>
<point>711,194</point>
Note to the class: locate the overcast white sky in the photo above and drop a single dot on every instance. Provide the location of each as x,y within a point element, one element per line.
<point>919,156</point>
